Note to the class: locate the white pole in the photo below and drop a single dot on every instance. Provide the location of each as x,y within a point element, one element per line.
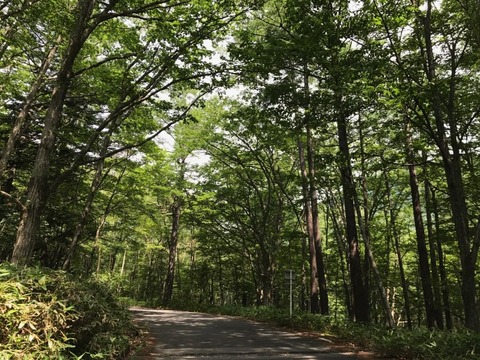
<point>291,297</point>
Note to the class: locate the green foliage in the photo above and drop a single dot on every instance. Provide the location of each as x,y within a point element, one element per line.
<point>49,315</point>
<point>425,344</point>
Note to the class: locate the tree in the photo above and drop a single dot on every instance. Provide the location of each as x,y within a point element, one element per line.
<point>145,64</point>
<point>439,93</point>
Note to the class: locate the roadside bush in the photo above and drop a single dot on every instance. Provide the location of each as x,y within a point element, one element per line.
<point>47,314</point>
<point>426,344</point>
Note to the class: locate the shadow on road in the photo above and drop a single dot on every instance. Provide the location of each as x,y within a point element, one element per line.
<point>186,335</point>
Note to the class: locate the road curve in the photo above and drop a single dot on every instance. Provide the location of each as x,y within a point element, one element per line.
<point>185,335</point>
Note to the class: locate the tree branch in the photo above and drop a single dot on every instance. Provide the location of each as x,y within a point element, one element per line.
<point>14,200</point>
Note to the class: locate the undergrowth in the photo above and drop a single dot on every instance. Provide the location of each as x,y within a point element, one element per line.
<point>398,343</point>
<point>47,314</point>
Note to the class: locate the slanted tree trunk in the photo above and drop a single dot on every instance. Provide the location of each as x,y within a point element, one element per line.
<point>37,193</point>
<point>21,119</point>
<point>103,219</point>
<point>124,261</point>
<point>96,182</point>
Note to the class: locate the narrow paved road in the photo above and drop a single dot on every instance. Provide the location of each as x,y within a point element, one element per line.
<point>185,335</point>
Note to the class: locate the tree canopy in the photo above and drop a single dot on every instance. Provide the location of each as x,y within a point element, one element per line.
<point>193,151</point>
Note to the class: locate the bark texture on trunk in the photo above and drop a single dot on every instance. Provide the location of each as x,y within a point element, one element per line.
<point>37,193</point>
<point>398,253</point>
<point>21,119</point>
<point>314,287</point>
<point>320,299</point>
<point>441,265</point>
<point>317,239</point>
<point>449,146</point>
<point>433,260</point>
<point>360,296</point>
<point>172,252</point>
<point>424,266</point>
<point>365,229</point>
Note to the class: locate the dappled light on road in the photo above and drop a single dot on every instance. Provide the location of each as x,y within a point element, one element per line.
<point>186,335</point>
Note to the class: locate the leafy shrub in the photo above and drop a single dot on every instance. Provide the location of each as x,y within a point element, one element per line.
<point>426,344</point>
<point>47,314</point>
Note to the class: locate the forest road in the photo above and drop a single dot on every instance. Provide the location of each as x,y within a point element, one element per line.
<point>185,335</point>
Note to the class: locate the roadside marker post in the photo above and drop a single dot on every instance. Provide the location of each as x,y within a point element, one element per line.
<point>289,276</point>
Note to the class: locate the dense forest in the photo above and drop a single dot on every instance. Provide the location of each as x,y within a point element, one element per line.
<point>191,152</point>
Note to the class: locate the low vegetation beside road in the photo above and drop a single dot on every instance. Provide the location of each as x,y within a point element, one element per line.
<point>48,314</point>
<point>399,343</point>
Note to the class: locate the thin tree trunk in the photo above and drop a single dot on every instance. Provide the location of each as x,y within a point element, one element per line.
<point>433,259</point>
<point>420,233</point>
<point>441,265</point>
<point>396,238</point>
<point>103,220</point>
<point>341,250</point>
<point>124,260</point>
<point>313,198</point>
<point>9,9</point>
<point>373,264</point>
<point>97,180</point>
<point>303,291</point>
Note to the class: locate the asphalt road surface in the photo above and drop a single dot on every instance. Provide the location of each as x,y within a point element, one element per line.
<point>185,335</point>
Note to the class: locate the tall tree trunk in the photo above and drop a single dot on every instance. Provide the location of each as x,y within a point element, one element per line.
<point>370,260</point>
<point>420,232</point>
<point>341,251</point>
<point>433,259</point>
<point>172,251</point>
<point>396,239</point>
<point>314,287</point>
<point>450,151</point>
<point>303,291</point>
<point>102,222</point>
<point>97,180</point>
<point>364,226</point>
<point>317,240</point>
<point>441,265</point>
<point>360,296</point>
<point>37,193</point>
<point>313,199</point>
